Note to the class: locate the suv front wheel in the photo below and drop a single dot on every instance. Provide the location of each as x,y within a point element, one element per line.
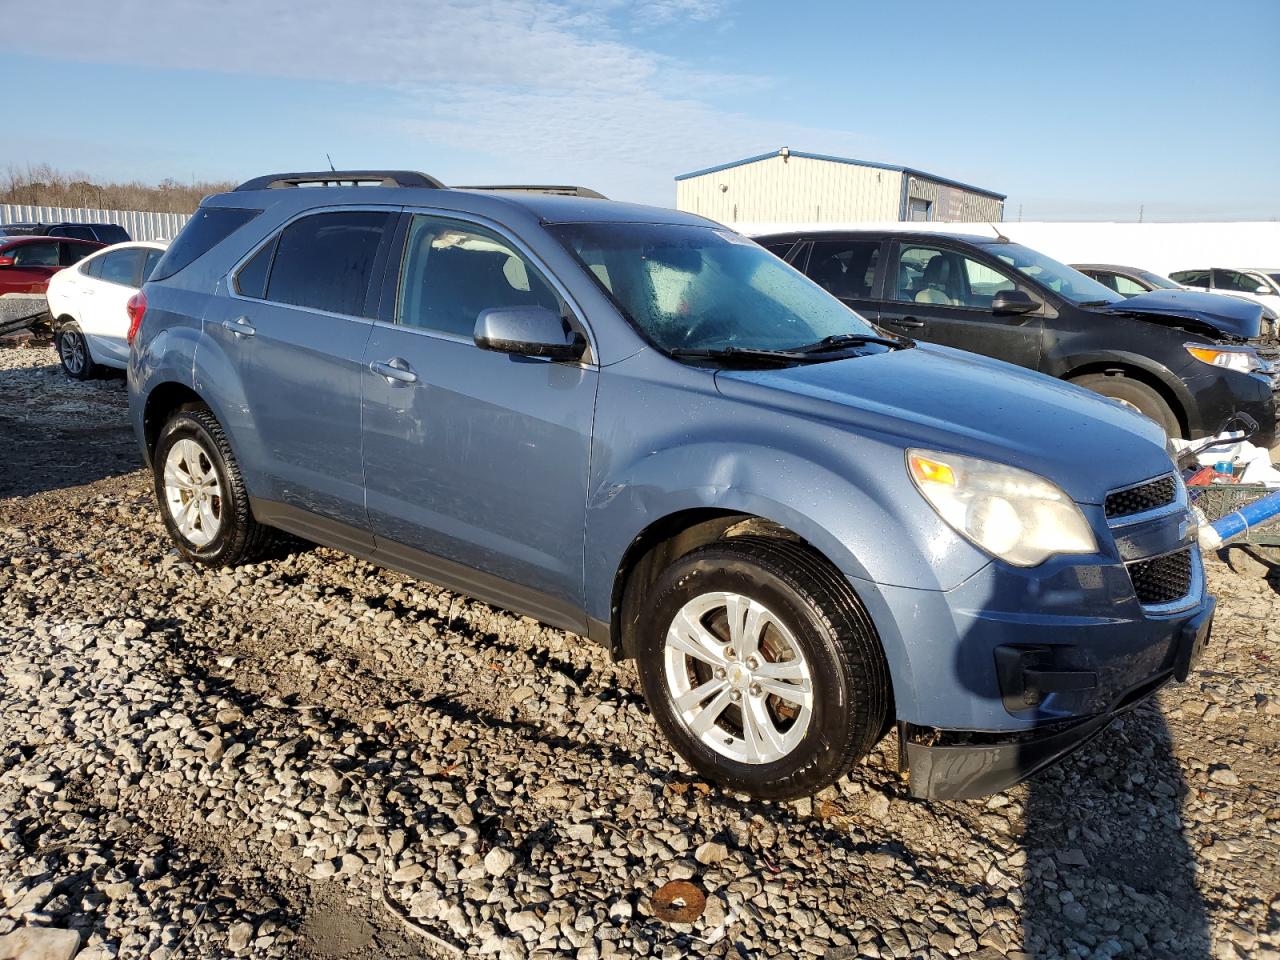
<point>201,494</point>
<point>762,668</point>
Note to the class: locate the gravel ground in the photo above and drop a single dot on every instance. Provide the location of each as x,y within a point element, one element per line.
<point>315,758</point>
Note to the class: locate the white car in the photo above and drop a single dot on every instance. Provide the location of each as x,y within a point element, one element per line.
<point>1261,284</point>
<point>87,303</point>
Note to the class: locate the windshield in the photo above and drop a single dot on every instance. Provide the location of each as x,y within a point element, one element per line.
<point>1069,284</point>
<point>690,287</point>
<point>1158,282</point>
<point>1275,277</point>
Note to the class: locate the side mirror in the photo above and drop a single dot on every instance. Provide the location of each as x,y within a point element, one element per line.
<point>528,331</point>
<point>1261,290</point>
<point>6,261</point>
<point>1014,301</point>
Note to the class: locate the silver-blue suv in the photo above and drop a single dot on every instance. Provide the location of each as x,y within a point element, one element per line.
<point>638,426</point>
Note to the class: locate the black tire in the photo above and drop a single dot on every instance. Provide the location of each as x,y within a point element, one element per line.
<point>239,538</point>
<point>849,675</point>
<point>1135,394</point>
<point>73,352</point>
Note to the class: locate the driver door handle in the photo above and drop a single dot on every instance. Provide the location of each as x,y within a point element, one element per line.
<point>396,370</point>
<point>908,322</point>
<point>240,326</point>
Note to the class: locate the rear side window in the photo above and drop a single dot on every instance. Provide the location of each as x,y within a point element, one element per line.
<point>76,233</point>
<point>325,261</point>
<point>204,231</point>
<point>75,252</point>
<point>845,268</point>
<point>122,267</point>
<point>110,233</point>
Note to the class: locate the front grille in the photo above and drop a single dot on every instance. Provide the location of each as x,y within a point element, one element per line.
<point>1162,579</point>
<point>1140,499</point>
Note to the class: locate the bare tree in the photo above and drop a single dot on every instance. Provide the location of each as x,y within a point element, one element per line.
<point>43,185</point>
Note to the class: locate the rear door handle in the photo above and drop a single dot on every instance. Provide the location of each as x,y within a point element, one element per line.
<point>908,322</point>
<point>240,326</point>
<point>396,370</point>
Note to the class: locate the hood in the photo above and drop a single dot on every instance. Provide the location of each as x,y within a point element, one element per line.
<point>1229,315</point>
<point>943,399</point>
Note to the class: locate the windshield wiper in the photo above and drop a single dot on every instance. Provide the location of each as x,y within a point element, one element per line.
<point>838,340</point>
<point>742,353</point>
<point>1096,303</point>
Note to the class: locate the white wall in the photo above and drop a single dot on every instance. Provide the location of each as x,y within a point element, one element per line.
<point>1161,247</point>
<point>140,224</point>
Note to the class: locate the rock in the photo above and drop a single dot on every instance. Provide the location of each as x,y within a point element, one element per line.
<point>238,937</point>
<point>498,861</point>
<point>39,943</point>
<point>1224,775</point>
<point>710,852</point>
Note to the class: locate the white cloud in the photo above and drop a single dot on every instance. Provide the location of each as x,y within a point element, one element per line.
<point>545,89</point>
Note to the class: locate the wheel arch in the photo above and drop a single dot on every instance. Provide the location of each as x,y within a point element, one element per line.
<point>164,400</point>
<point>1177,399</point>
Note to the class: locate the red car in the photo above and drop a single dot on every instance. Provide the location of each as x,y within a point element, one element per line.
<point>27,263</point>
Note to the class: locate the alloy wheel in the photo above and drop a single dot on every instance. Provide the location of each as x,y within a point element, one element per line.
<point>737,678</point>
<point>71,347</point>
<point>192,492</point>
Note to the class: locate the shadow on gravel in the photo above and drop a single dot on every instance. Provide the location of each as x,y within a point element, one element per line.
<point>51,447</point>
<point>1109,870</point>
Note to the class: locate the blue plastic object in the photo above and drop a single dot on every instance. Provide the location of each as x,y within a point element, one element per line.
<point>1237,524</point>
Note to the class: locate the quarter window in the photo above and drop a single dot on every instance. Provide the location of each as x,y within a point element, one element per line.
<point>843,268</point>
<point>149,265</point>
<point>453,271</point>
<point>251,281</point>
<point>325,261</point>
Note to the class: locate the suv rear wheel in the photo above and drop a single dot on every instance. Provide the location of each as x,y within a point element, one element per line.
<point>1135,395</point>
<point>762,668</point>
<point>201,494</point>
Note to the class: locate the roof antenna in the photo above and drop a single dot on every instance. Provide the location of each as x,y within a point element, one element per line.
<point>332,168</point>
<point>996,230</point>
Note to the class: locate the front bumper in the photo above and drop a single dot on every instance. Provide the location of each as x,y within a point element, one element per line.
<point>955,765</point>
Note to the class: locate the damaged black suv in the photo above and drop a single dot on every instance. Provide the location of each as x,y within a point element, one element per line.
<point>1187,360</point>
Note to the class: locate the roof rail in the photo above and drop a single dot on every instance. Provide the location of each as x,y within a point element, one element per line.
<point>565,190</point>
<point>342,178</point>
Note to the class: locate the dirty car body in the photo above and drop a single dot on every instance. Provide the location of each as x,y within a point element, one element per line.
<point>559,484</point>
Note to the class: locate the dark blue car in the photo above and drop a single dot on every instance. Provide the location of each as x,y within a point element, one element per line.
<point>638,426</point>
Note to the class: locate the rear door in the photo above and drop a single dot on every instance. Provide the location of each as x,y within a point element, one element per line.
<point>102,299</point>
<point>848,269</point>
<point>476,458</point>
<point>291,325</point>
<point>943,294</point>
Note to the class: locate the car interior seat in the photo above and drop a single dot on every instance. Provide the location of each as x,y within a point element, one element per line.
<point>937,282</point>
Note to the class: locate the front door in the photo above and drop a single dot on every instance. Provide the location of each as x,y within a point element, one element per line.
<point>33,264</point>
<point>293,326</point>
<point>940,294</point>
<point>477,458</point>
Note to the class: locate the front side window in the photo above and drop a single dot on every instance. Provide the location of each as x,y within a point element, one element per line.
<point>1127,287</point>
<point>845,268</point>
<point>935,275</point>
<point>1108,280</point>
<point>122,267</point>
<point>453,271</point>
<point>149,265</point>
<point>1192,278</point>
<point>693,287</point>
<point>36,254</point>
<point>325,261</point>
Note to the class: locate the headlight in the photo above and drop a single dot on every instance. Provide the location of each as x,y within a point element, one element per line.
<point>1010,513</point>
<point>1241,359</point>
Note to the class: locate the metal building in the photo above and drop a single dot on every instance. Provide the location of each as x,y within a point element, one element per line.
<point>788,186</point>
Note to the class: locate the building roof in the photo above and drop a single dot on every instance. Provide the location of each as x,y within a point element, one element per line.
<point>909,171</point>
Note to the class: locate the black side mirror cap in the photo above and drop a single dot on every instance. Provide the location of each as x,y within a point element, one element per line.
<point>529,332</point>
<point>1014,301</point>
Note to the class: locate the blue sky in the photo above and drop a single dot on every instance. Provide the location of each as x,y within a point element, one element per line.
<point>1077,110</point>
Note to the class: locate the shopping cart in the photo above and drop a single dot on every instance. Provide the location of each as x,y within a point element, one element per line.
<point>1218,500</point>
